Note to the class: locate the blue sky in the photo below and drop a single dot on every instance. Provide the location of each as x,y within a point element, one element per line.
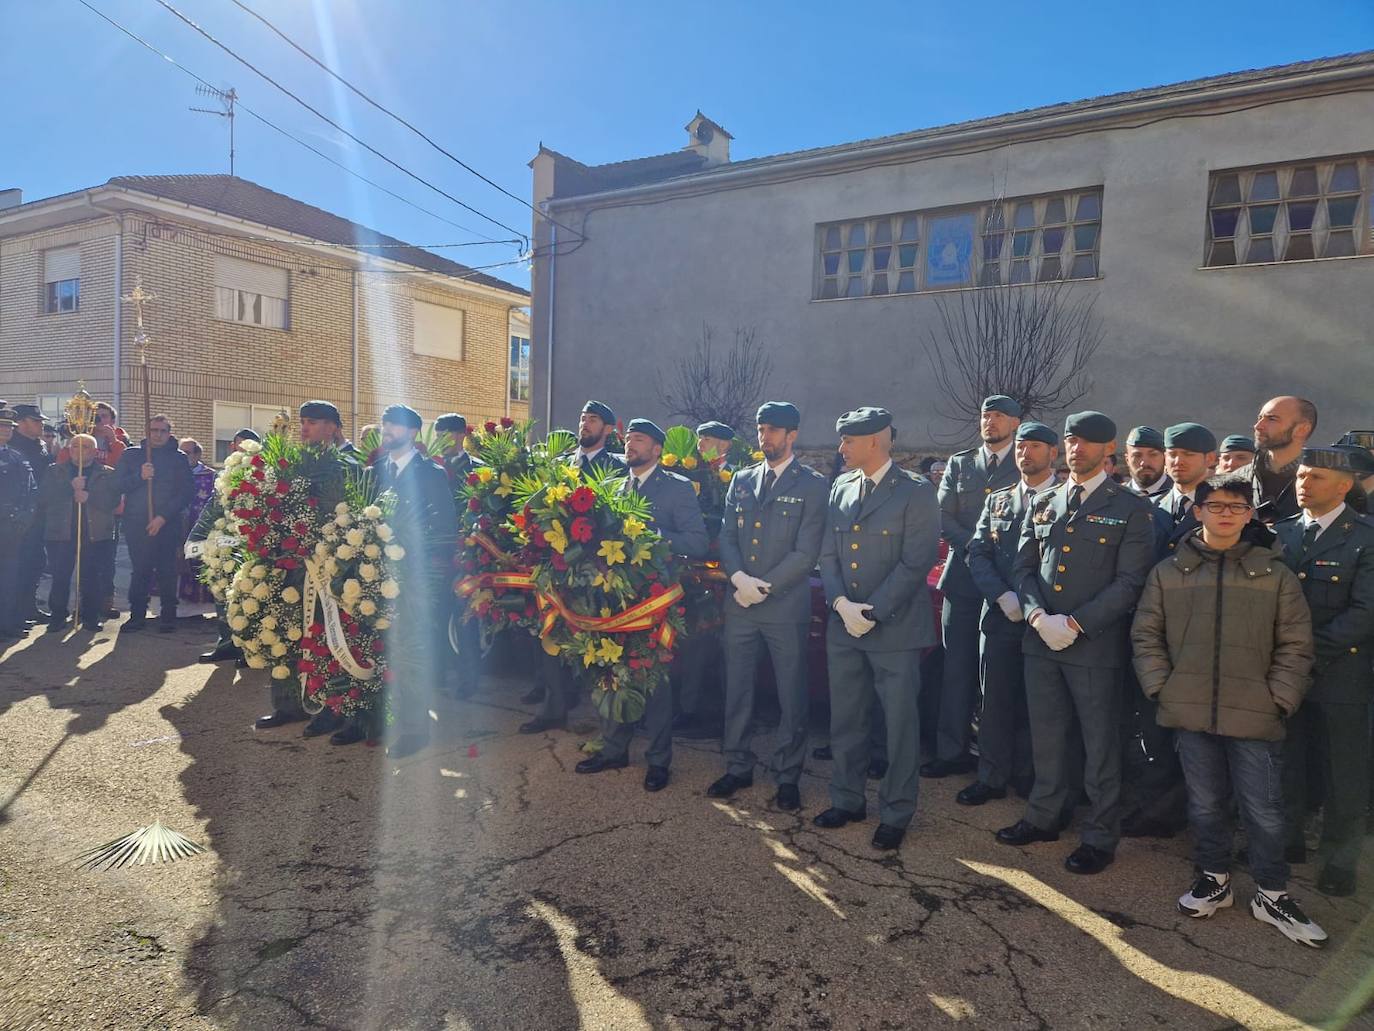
<point>598,81</point>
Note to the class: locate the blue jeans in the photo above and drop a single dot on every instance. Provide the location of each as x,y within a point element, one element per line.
<point>1215,768</point>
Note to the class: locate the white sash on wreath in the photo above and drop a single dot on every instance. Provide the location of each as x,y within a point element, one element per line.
<point>316,596</point>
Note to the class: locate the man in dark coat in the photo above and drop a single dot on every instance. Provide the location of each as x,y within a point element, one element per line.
<point>32,558</point>
<point>154,536</point>
<point>18,497</point>
<point>79,490</point>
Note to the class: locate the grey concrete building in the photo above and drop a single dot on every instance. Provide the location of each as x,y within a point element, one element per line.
<point>1222,225</point>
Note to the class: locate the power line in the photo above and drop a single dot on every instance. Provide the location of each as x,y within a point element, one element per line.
<point>392,114</point>
<point>277,128</point>
<point>335,125</point>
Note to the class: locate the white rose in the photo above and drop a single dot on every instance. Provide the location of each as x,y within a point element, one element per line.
<point>372,512</point>
<point>331,568</point>
<point>367,607</point>
<point>291,596</point>
<point>382,624</point>
<point>252,645</point>
<point>257,662</point>
<point>372,551</point>
<point>352,589</point>
<point>238,623</point>
<point>250,605</point>
<point>270,622</point>
<point>278,649</point>
<point>280,672</point>
<point>341,508</point>
<point>368,572</point>
<point>218,592</point>
<point>250,447</point>
<point>331,532</point>
<point>268,637</point>
<point>344,520</point>
<point>390,589</point>
<point>355,538</point>
<point>294,634</point>
<point>321,548</point>
<point>395,552</point>
<point>383,532</point>
<point>262,592</point>
<point>258,572</point>
<point>344,552</point>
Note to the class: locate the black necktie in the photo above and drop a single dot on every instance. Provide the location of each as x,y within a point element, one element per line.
<point>583,463</point>
<point>769,479</point>
<point>634,484</point>
<point>1309,537</point>
<point>392,470</point>
<point>1181,509</point>
<point>1075,499</point>
<point>1030,496</point>
<point>992,466</point>
<point>866,489</point>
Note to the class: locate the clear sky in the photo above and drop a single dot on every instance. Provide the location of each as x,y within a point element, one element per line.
<point>597,81</point>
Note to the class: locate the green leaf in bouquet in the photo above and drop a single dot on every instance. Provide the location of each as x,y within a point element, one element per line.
<point>680,441</point>
<point>559,443</point>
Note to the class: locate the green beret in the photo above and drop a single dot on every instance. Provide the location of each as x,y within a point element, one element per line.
<point>863,422</point>
<point>1237,442</point>
<point>1002,403</point>
<point>715,429</point>
<point>451,422</point>
<point>1360,458</point>
<point>1190,436</point>
<point>782,414</point>
<point>1364,438</point>
<point>1037,431</point>
<point>1094,427</point>
<point>601,410</point>
<point>321,410</point>
<point>1338,458</point>
<point>1145,436</point>
<point>402,415</point>
<point>648,428</point>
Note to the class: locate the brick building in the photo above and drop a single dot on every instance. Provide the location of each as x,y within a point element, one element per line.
<point>262,301</point>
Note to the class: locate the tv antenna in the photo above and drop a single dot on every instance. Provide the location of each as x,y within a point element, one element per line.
<point>226,99</point>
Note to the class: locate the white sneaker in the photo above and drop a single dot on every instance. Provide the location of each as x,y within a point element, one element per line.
<point>1285,914</point>
<point>1205,897</point>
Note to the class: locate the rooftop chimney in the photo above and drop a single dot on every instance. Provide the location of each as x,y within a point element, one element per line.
<point>708,139</point>
<point>11,198</point>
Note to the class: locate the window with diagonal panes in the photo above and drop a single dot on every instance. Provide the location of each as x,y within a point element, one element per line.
<point>1315,209</point>
<point>869,258</point>
<point>1035,240</point>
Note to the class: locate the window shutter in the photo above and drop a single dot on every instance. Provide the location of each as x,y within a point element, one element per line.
<point>438,331</point>
<point>250,276</point>
<point>62,264</point>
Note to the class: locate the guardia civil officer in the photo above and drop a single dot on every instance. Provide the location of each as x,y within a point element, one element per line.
<point>1145,463</point>
<point>1190,452</point>
<point>968,480</point>
<point>27,440</point>
<point>322,426</point>
<point>1236,452</point>
<point>881,538</point>
<point>1331,548</point>
<point>463,653</point>
<point>456,461</point>
<point>1085,549</point>
<point>676,517</point>
<point>1004,747</point>
<point>770,539</point>
<point>18,500</point>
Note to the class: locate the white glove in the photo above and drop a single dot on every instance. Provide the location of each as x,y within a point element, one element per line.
<point>1055,632</point>
<point>1010,605</point>
<point>749,590</point>
<point>193,549</point>
<point>855,616</point>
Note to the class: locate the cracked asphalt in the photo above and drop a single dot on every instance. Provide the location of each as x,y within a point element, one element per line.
<point>481,884</point>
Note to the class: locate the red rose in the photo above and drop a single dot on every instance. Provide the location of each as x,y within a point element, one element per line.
<point>507,422</point>
<point>558,563</point>
<point>258,474</point>
<point>315,683</point>
<point>490,427</point>
<point>334,667</point>
<point>302,528</point>
<point>287,563</point>
<point>305,666</point>
<point>335,702</point>
<point>354,693</point>
<point>312,502</point>
<point>656,589</point>
<point>290,544</point>
<point>258,463</point>
<point>581,530</point>
<point>378,646</point>
<point>474,505</point>
<point>582,499</point>
<point>282,463</point>
<point>473,480</point>
<point>283,486</point>
<point>316,629</point>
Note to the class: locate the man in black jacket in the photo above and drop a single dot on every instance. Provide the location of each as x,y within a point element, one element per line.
<point>18,496</point>
<point>154,535</point>
<point>28,441</point>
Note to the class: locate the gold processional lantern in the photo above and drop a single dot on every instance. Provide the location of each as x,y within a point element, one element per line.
<point>80,414</point>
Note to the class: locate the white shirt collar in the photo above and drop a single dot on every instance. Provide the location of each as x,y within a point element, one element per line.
<point>402,460</point>
<point>877,477</point>
<point>1039,488</point>
<point>1154,488</point>
<point>589,455</point>
<point>1177,492</point>
<point>1323,521</point>
<point>639,478</point>
<point>1088,487</point>
<point>779,470</point>
<point>1001,455</point>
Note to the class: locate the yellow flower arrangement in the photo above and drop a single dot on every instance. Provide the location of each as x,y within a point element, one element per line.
<point>609,650</point>
<point>669,460</point>
<point>507,485</point>
<point>559,492</point>
<point>689,462</point>
<point>557,537</point>
<point>612,551</point>
<point>633,527</point>
<point>485,473</point>
<point>726,475</point>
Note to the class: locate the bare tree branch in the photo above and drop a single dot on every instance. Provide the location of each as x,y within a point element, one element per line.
<point>705,385</point>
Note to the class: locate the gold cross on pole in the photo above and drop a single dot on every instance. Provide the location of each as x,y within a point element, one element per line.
<point>139,297</point>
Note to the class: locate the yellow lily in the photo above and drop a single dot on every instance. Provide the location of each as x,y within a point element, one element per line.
<point>557,537</point>
<point>570,473</point>
<point>610,651</point>
<point>558,492</point>
<point>643,552</point>
<point>726,475</point>
<point>485,473</point>
<point>689,462</point>
<point>669,460</point>
<point>633,527</point>
<point>507,485</point>
<point>612,552</point>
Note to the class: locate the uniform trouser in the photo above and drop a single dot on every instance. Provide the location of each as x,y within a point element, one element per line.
<point>466,662</point>
<point>1218,770</point>
<point>959,688</point>
<point>225,635</point>
<point>94,588</point>
<point>787,648</point>
<point>11,617</point>
<point>696,657</point>
<point>156,555</point>
<point>1055,693</point>
<point>658,725</point>
<point>859,680</point>
<point>558,684</point>
<point>412,648</point>
<point>1004,745</point>
<point>1336,735</point>
<point>32,560</point>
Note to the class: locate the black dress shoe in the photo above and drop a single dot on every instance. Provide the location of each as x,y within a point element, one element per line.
<point>1336,882</point>
<point>133,624</point>
<point>93,626</point>
<point>1023,833</point>
<point>277,719</point>
<point>57,622</point>
<point>220,653</point>
<point>1088,859</point>
<point>539,724</point>
<point>597,763</point>
<point>979,793</point>
<point>888,837</point>
<point>656,778</point>
<point>938,768</point>
<point>350,735</point>
<point>834,817</point>
<point>728,785</point>
<point>789,797</point>
<point>824,754</point>
<point>406,745</point>
<point>877,769</point>
<point>533,696</point>
<point>325,722</point>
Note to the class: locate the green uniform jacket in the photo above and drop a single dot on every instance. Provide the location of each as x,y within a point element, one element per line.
<point>964,488</point>
<point>992,555</point>
<point>57,509</point>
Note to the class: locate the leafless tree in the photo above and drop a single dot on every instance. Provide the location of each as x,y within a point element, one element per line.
<point>709,383</point>
<point>1032,342</point>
